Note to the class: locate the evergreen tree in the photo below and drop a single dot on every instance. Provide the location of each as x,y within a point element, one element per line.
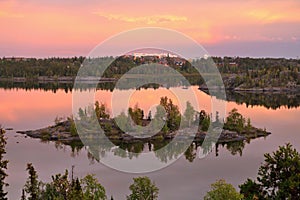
<point>189,113</point>
<point>32,186</point>
<point>204,121</point>
<point>23,197</point>
<point>76,190</point>
<point>101,111</point>
<point>278,177</point>
<point>3,165</point>
<point>136,114</point>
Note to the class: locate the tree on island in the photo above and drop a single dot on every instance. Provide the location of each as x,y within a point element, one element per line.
<point>278,177</point>
<point>137,114</point>
<point>235,121</point>
<point>101,110</point>
<point>173,113</point>
<point>189,113</point>
<point>204,120</point>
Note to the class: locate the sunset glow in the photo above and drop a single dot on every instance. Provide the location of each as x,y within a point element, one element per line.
<point>54,28</point>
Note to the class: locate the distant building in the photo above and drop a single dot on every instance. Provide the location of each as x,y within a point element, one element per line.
<point>178,61</point>
<point>233,64</point>
<point>15,58</point>
<point>160,55</point>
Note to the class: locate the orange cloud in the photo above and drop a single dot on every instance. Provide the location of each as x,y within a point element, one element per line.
<point>7,10</point>
<point>150,20</point>
<point>271,16</point>
<point>4,14</point>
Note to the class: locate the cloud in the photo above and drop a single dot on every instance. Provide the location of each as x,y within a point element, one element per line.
<point>150,20</point>
<point>10,15</point>
<point>264,15</point>
<point>271,16</point>
<point>7,9</point>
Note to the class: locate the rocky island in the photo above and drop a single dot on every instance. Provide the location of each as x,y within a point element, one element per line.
<point>235,127</point>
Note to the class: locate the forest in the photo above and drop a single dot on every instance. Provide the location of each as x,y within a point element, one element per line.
<point>237,72</point>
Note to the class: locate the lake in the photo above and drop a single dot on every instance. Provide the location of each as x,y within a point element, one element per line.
<point>24,109</point>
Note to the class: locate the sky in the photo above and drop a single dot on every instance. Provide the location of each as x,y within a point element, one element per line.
<point>47,28</point>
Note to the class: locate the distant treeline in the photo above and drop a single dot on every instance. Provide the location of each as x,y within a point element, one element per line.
<point>32,67</point>
<point>236,71</point>
<point>63,67</point>
<point>259,72</point>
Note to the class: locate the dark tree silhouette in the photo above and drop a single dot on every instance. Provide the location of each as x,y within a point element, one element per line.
<point>3,165</point>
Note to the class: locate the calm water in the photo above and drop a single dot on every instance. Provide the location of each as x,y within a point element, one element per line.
<point>32,109</point>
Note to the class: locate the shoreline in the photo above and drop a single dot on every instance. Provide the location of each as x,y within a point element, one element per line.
<point>94,80</point>
<point>270,90</point>
<point>64,79</point>
<point>60,133</point>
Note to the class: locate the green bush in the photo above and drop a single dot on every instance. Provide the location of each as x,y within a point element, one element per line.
<point>221,190</point>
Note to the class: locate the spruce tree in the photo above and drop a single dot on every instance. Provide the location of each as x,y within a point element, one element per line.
<point>3,165</point>
<point>32,184</point>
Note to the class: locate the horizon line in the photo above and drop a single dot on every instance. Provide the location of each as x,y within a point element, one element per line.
<point>212,56</point>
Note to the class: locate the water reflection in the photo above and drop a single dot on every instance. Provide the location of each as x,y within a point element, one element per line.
<point>37,108</point>
<point>268,100</point>
<point>46,105</point>
<point>28,86</point>
<point>131,150</point>
<point>109,85</point>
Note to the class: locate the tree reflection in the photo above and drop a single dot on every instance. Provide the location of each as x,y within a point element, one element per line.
<point>191,153</point>
<point>161,150</point>
<point>269,100</point>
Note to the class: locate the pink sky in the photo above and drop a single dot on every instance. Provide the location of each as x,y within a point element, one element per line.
<point>45,28</point>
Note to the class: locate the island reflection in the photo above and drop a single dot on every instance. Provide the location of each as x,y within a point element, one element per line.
<point>132,150</point>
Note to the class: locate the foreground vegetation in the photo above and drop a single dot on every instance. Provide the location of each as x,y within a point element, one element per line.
<point>3,165</point>
<point>222,190</point>
<point>62,188</point>
<point>278,178</point>
<point>88,188</point>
